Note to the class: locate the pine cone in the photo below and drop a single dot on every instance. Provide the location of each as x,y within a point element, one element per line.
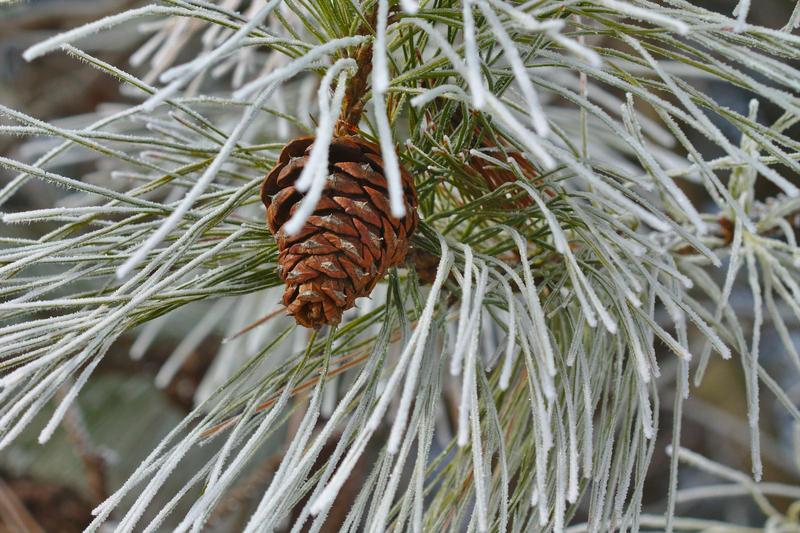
<point>348,244</point>
<point>496,177</point>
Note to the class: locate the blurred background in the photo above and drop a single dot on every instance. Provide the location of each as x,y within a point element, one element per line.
<point>122,415</point>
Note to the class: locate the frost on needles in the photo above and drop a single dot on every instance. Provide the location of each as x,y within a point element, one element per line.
<point>518,389</point>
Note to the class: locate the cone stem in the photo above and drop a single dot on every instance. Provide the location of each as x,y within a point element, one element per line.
<point>353,104</point>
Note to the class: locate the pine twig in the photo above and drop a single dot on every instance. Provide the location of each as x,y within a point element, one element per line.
<point>353,103</point>
<point>93,460</point>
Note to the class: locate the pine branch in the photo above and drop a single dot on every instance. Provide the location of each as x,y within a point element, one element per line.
<point>557,147</point>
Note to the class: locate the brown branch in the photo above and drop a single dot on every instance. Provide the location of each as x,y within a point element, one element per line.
<point>94,462</point>
<point>263,320</point>
<point>358,85</point>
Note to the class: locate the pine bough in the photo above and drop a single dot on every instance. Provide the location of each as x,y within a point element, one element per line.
<point>520,387</point>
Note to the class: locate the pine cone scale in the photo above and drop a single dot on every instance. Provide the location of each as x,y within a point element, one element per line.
<point>306,232</point>
<point>359,208</point>
<point>350,241</point>
<point>371,241</point>
<point>334,222</point>
<point>343,184</point>
<point>293,151</point>
<point>364,173</point>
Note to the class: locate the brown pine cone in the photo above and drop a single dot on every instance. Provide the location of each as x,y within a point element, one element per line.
<point>497,177</point>
<point>348,244</point>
